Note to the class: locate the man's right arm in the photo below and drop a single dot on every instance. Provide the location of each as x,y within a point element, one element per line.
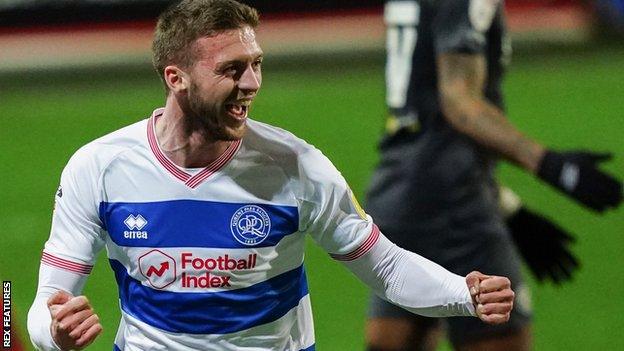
<point>59,318</point>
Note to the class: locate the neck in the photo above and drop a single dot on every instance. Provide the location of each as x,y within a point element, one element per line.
<point>183,145</point>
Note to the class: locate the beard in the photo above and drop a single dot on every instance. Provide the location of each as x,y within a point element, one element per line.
<point>202,116</point>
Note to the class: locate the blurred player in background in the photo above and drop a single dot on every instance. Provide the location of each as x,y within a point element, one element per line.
<point>434,191</point>
<point>203,213</point>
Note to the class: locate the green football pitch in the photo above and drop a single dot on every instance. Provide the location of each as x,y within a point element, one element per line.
<point>566,99</point>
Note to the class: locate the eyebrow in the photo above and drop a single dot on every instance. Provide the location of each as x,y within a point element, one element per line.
<point>235,61</point>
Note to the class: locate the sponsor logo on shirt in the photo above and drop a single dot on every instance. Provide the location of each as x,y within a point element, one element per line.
<point>199,272</point>
<point>160,269</point>
<point>135,224</point>
<point>250,225</point>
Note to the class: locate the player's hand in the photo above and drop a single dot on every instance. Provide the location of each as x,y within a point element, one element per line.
<point>576,174</point>
<point>543,245</point>
<point>492,297</point>
<point>74,324</point>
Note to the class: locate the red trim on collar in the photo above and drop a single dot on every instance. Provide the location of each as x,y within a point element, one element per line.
<point>190,181</point>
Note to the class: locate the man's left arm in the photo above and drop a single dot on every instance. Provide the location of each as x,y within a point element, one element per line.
<point>423,287</point>
<point>334,218</point>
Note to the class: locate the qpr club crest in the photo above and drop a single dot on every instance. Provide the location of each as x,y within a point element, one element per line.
<point>250,225</point>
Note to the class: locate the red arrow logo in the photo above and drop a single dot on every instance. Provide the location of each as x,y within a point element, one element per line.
<point>159,272</point>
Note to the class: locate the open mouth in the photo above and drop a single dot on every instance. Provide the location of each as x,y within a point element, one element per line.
<point>238,111</point>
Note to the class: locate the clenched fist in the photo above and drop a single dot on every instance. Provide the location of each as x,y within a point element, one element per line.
<point>492,297</point>
<point>74,324</point>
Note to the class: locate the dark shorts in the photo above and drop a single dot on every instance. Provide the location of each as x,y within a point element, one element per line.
<point>434,195</point>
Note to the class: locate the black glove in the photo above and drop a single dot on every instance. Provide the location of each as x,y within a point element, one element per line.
<point>543,245</point>
<point>575,174</point>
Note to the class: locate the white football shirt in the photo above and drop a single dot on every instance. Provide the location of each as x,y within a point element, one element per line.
<point>208,259</point>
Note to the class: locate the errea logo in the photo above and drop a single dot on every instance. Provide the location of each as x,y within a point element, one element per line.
<point>135,224</point>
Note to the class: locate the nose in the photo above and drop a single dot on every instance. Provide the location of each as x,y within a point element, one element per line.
<point>250,80</point>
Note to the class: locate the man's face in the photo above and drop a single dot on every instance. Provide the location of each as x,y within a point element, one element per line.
<point>224,79</point>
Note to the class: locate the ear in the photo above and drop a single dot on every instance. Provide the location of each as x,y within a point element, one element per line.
<point>176,79</point>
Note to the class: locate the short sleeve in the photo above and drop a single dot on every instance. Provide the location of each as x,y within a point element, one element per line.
<point>461,25</point>
<point>76,233</point>
<point>329,211</point>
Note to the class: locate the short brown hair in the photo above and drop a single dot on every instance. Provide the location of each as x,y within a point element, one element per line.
<point>181,24</point>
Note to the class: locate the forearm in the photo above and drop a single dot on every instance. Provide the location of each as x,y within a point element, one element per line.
<point>461,83</point>
<point>412,282</point>
<point>51,280</point>
<point>486,124</point>
<point>39,320</point>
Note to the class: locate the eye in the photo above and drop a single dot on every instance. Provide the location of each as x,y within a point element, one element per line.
<point>257,64</point>
<point>229,70</point>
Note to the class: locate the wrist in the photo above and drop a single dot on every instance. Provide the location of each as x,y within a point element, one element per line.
<point>537,158</point>
<point>550,166</point>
